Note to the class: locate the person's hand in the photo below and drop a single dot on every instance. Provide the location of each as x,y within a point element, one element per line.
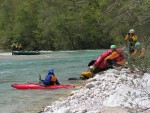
<point>92,68</point>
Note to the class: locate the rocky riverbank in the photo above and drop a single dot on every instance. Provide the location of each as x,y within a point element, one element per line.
<point>114,91</point>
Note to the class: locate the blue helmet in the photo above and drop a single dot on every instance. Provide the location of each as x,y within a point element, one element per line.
<point>50,71</point>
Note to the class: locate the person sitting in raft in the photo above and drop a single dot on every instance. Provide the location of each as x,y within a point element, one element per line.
<point>20,47</point>
<point>13,46</point>
<point>100,63</point>
<point>50,78</point>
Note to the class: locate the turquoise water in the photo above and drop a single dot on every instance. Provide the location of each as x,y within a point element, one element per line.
<point>23,69</point>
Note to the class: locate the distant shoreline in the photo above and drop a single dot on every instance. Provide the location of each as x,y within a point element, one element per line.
<point>8,55</point>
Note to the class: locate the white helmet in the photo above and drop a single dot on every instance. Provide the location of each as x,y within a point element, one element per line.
<point>131,31</point>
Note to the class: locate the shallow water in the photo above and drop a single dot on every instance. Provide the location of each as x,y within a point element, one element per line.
<point>23,69</point>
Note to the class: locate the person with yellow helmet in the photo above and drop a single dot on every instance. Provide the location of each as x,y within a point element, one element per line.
<point>132,39</point>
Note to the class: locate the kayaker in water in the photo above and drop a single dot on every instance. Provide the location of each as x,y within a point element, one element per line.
<point>105,61</point>
<point>131,39</point>
<point>50,78</point>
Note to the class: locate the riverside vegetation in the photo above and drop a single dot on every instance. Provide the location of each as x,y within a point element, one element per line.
<point>78,24</point>
<point>71,24</point>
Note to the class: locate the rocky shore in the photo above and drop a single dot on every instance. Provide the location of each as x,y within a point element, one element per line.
<point>114,91</point>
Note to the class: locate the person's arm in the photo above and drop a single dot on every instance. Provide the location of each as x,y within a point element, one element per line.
<point>112,56</point>
<point>47,80</point>
<point>134,53</point>
<point>142,52</point>
<point>126,37</point>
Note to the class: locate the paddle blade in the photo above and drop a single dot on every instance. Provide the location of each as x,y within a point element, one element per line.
<point>77,78</point>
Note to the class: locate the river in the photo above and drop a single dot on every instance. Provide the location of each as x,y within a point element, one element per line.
<point>23,69</point>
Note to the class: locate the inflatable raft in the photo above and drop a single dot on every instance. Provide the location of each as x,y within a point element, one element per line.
<point>25,53</point>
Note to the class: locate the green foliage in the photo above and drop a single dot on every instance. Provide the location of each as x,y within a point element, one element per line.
<point>137,63</point>
<point>70,24</point>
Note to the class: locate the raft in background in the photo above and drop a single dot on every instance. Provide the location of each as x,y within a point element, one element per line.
<point>25,52</point>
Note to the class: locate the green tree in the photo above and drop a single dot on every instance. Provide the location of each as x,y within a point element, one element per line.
<point>71,24</point>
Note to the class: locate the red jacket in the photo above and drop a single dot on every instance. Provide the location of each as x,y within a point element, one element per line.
<point>100,62</point>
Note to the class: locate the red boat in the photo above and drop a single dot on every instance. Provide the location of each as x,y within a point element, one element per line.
<point>39,86</point>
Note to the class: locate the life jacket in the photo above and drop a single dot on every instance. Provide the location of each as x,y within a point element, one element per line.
<point>53,78</point>
<point>131,39</point>
<point>120,59</point>
<point>139,52</point>
<point>100,60</point>
<point>116,56</point>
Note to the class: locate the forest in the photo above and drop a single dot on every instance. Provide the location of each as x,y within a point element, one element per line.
<point>71,24</point>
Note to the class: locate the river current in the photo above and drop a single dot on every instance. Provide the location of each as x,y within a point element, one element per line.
<point>23,69</point>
